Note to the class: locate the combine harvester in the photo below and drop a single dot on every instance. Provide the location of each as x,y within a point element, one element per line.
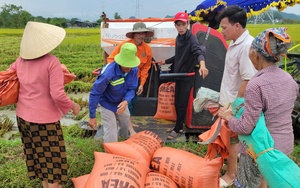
<point>163,47</point>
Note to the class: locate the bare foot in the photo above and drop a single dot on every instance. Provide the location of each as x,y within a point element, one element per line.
<point>133,124</point>
<point>131,131</point>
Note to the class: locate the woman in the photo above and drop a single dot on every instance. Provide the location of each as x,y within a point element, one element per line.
<point>41,103</point>
<point>271,91</point>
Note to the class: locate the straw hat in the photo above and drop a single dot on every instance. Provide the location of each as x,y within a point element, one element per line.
<point>39,39</point>
<point>127,56</point>
<point>140,27</point>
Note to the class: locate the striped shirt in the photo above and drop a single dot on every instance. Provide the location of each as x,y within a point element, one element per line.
<point>272,91</point>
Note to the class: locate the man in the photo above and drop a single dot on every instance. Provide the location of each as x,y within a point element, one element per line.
<point>237,72</point>
<point>113,90</point>
<point>188,54</point>
<point>144,52</point>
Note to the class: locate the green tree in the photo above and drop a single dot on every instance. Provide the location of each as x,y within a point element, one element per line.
<point>117,16</point>
<point>13,16</point>
<point>73,21</point>
<point>99,21</point>
<point>61,22</point>
<point>40,19</point>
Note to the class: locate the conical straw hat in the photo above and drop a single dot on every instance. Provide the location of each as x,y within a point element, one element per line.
<point>39,39</point>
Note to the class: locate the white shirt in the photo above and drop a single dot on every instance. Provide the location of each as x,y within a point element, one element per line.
<point>238,67</point>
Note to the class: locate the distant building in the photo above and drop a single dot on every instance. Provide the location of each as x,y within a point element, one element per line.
<point>79,23</point>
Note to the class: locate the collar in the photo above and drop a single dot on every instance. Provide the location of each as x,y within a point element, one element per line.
<point>119,70</point>
<point>241,38</point>
<point>267,69</point>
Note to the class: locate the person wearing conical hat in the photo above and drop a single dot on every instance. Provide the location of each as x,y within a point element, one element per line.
<point>113,90</point>
<point>270,91</point>
<point>144,52</point>
<point>41,103</point>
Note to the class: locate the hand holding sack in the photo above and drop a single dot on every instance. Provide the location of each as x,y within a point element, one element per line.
<point>9,85</point>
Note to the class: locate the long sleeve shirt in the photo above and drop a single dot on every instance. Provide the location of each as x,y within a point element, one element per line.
<point>42,98</point>
<point>112,87</point>
<point>144,53</point>
<point>188,53</point>
<point>273,92</point>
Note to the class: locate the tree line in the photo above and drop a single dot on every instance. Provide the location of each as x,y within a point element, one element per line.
<point>13,16</point>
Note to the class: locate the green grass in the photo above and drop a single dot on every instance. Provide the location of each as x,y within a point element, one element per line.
<point>80,159</point>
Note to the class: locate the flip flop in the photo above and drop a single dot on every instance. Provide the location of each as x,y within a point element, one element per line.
<point>171,129</point>
<point>173,135</point>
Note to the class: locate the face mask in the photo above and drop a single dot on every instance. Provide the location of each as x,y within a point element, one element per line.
<point>125,74</point>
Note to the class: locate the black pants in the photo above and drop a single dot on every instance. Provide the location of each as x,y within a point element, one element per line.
<point>182,94</point>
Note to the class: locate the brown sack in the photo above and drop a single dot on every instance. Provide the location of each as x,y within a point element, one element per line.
<point>116,171</point>
<point>9,87</point>
<point>187,169</point>
<point>157,180</point>
<point>139,147</point>
<point>166,102</point>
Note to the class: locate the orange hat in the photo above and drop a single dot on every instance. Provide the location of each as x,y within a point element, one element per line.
<point>181,16</point>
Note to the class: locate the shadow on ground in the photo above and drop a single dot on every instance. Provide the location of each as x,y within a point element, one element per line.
<point>158,126</point>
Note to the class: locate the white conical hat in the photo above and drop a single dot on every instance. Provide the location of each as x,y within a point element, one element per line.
<point>39,39</point>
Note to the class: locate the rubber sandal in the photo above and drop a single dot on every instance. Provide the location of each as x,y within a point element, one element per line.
<point>224,184</point>
<point>173,135</point>
<point>171,129</point>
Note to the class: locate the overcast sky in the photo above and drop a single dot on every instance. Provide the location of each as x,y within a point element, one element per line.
<point>91,9</point>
